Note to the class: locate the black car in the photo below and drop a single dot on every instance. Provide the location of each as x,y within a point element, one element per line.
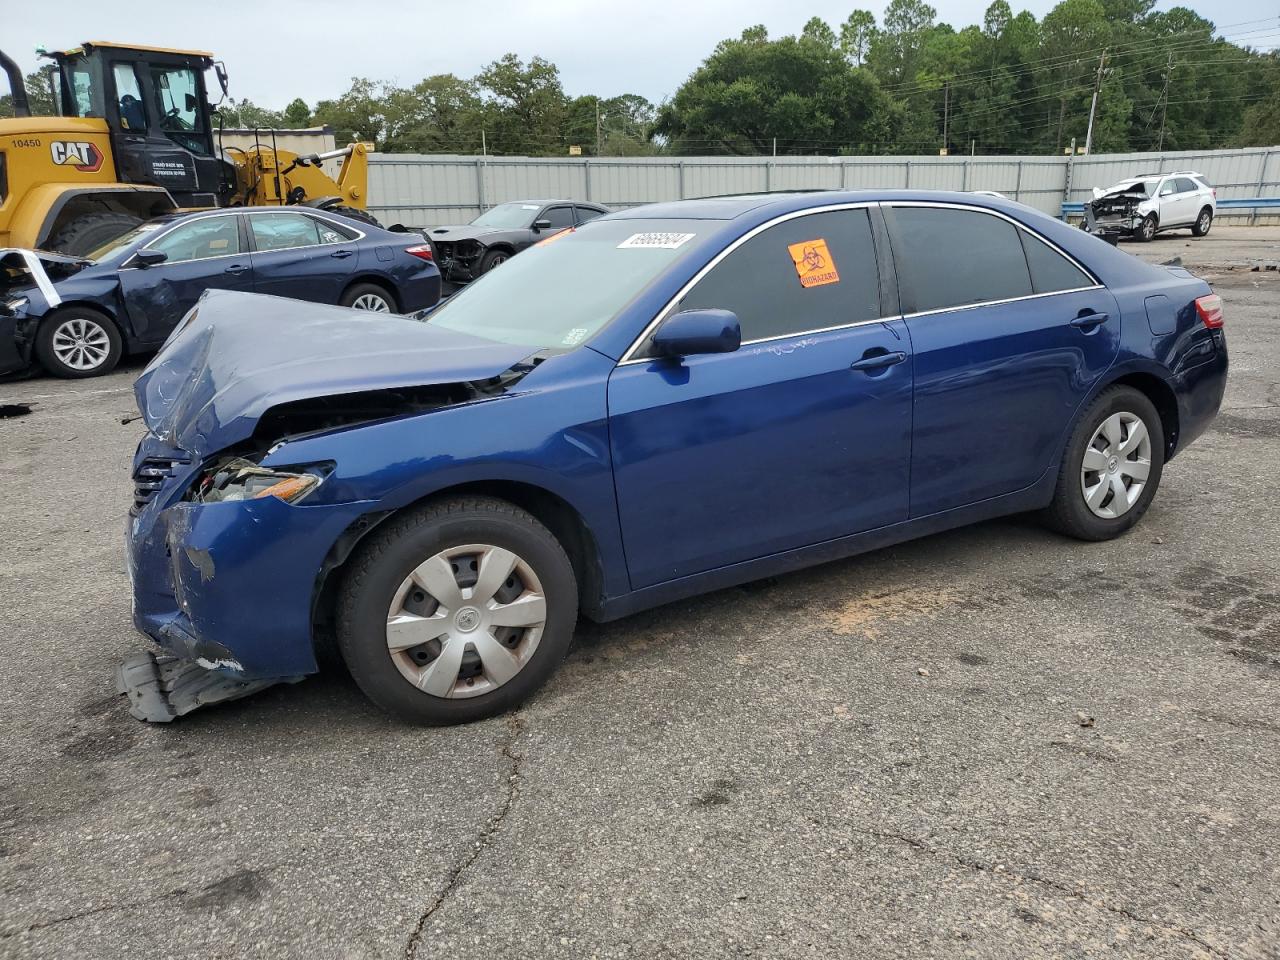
<point>465,252</point>
<point>76,316</point>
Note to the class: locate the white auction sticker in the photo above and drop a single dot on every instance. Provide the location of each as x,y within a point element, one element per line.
<point>655,241</point>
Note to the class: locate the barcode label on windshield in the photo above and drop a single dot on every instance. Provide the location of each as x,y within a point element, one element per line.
<point>655,241</point>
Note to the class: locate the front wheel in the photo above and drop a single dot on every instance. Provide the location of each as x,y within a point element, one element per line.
<point>1203,223</point>
<point>1111,467</point>
<point>492,260</point>
<point>1147,229</point>
<point>457,611</point>
<point>78,342</point>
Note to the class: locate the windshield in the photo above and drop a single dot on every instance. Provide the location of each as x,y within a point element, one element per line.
<point>115,249</point>
<point>559,292</point>
<point>1145,187</point>
<point>508,216</point>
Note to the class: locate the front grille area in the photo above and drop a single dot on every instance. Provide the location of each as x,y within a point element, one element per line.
<point>149,478</point>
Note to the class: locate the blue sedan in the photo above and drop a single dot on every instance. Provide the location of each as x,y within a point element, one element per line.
<point>76,317</point>
<point>668,400</point>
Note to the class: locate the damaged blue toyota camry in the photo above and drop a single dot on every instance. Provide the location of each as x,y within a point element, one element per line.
<point>666,401</point>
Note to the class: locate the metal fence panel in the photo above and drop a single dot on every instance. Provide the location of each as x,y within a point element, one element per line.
<point>424,190</point>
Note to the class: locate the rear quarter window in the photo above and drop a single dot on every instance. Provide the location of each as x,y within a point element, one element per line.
<point>1051,272</point>
<point>954,258</point>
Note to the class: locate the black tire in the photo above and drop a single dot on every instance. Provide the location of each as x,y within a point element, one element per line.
<point>360,295</point>
<point>82,323</point>
<point>87,233</point>
<point>1069,513</point>
<point>355,213</point>
<point>492,260</point>
<point>382,564</point>
<point>1147,229</point>
<point>1204,221</point>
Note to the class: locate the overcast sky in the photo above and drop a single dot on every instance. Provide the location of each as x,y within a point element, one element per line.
<point>276,51</point>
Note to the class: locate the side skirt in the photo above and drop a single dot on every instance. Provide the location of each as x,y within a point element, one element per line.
<point>1029,498</point>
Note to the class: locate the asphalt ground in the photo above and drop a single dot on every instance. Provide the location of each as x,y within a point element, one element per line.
<point>993,742</point>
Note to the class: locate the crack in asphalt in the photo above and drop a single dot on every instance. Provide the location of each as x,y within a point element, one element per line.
<point>1068,891</point>
<point>515,727</point>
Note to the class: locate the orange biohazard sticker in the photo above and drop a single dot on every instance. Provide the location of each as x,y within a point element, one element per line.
<point>813,263</point>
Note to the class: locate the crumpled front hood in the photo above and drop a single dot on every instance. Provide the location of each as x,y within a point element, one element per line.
<point>237,355</point>
<point>466,231</point>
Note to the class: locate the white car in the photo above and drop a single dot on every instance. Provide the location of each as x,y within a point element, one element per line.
<point>1142,206</point>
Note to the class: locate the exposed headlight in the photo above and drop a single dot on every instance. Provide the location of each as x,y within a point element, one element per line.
<point>10,307</point>
<point>240,479</point>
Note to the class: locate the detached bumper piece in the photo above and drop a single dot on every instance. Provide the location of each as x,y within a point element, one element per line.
<point>161,687</point>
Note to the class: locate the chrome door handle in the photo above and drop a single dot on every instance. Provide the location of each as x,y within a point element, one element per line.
<point>878,361</point>
<point>1088,321</point>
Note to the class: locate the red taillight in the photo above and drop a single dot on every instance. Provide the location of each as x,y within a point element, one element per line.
<point>422,251</point>
<point>1210,311</point>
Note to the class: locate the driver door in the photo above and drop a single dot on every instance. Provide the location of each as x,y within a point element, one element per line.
<point>207,253</point>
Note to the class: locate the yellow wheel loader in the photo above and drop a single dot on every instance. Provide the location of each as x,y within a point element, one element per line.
<point>136,139</point>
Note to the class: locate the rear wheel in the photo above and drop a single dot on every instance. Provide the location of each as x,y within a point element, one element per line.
<point>368,296</point>
<point>1203,223</point>
<point>1111,467</point>
<point>85,234</point>
<point>78,342</point>
<point>457,611</point>
<point>1147,229</point>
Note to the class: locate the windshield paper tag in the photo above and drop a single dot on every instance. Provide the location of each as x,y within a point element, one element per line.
<point>655,241</point>
<point>813,263</point>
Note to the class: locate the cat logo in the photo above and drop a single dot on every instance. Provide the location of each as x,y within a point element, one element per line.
<point>80,154</point>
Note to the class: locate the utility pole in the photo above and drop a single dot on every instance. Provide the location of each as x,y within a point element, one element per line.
<point>484,144</point>
<point>775,146</point>
<point>597,126</point>
<point>946,113</point>
<point>1164,96</point>
<point>1093,107</point>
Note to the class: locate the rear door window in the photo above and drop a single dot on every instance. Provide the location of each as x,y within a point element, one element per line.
<point>1187,185</point>
<point>283,231</point>
<point>1051,272</point>
<point>953,258</point>
<point>810,273</point>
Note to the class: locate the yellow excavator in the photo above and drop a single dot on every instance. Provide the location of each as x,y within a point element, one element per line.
<point>136,139</point>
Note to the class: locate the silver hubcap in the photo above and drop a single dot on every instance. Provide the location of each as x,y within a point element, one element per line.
<point>1204,222</point>
<point>81,343</point>
<point>498,261</point>
<point>466,621</point>
<point>1148,228</point>
<point>371,301</point>
<point>1116,464</point>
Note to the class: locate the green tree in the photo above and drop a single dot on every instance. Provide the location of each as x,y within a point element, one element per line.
<point>525,106</point>
<point>297,114</point>
<point>750,91</point>
<point>856,34</point>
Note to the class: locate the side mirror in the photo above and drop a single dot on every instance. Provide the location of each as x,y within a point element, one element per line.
<point>542,224</point>
<point>698,331</point>
<point>149,258</point>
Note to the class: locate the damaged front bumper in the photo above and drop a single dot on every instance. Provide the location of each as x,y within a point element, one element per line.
<point>228,586</point>
<point>27,294</point>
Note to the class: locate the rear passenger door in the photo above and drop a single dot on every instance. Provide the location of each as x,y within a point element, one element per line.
<point>800,436</point>
<point>301,256</point>
<point>1186,200</point>
<point>1009,336</point>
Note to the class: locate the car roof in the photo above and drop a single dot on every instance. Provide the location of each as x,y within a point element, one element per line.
<point>739,205</point>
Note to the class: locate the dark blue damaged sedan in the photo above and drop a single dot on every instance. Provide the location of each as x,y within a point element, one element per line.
<point>665,401</point>
<point>77,316</point>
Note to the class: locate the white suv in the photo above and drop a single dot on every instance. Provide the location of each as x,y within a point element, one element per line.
<point>1144,205</point>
